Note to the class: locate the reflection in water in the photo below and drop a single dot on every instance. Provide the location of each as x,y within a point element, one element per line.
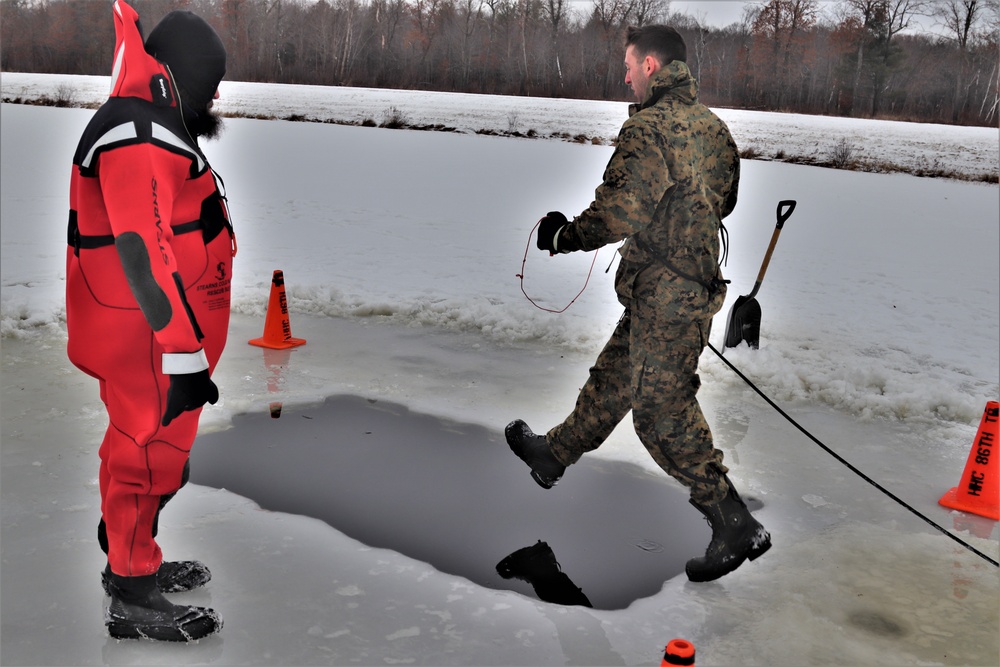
<point>444,492</point>
<point>276,362</point>
<point>537,565</point>
<point>981,527</point>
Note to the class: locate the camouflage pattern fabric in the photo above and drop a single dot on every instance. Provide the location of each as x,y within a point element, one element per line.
<point>672,178</point>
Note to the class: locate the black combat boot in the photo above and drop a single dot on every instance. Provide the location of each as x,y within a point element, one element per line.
<point>138,610</point>
<point>534,450</point>
<point>537,565</point>
<point>736,536</point>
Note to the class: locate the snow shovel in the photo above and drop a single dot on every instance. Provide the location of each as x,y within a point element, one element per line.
<point>744,318</point>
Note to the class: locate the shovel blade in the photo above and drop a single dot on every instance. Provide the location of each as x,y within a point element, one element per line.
<point>744,323</point>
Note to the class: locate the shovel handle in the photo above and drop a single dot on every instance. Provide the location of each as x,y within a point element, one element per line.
<point>788,205</point>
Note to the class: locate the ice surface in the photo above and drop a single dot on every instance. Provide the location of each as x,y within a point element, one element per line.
<point>879,335</point>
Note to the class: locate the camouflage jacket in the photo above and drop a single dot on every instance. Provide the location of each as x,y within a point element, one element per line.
<point>672,178</point>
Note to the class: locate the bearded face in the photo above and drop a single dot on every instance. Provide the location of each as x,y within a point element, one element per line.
<point>206,123</point>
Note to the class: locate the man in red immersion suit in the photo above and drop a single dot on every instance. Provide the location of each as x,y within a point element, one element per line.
<point>148,272</point>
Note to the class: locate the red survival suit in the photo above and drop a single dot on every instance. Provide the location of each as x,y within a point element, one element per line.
<point>147,286</point>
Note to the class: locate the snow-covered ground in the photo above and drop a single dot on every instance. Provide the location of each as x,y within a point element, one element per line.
<point>972,151</point>
<point>400,249</point>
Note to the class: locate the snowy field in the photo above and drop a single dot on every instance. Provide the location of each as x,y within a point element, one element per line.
<point>973,151</point>
<point>400,249</point>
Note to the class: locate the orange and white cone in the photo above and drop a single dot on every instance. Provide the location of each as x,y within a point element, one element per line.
<point>277,326</point>
<point>978,491</point>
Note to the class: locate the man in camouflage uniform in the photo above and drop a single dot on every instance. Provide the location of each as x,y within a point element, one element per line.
<point>672,178</point>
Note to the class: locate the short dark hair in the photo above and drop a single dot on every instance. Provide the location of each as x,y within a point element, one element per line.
<point>660,41</point>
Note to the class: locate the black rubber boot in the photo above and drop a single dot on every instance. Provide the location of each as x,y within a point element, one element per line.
<point>534,450</point>
<point>736,536</point>
<point>537,565</point>
<point>138,610</point>
<point>173,576</point>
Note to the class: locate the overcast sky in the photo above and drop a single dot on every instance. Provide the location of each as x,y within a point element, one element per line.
<point>717,13</point>
<point>721,13</point>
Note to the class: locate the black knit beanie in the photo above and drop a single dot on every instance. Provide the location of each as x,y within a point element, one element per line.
<point>193,51</point>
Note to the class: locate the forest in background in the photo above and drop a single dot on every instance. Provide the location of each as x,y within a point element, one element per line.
<point>856,58</point>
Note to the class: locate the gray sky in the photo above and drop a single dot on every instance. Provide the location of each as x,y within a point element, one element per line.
<point>720,13</point>
<point>716,13</point>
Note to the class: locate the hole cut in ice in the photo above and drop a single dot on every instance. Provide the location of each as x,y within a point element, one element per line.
<point>454,496</point>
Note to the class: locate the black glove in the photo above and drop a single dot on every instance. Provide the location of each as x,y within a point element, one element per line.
<point>189,391</point>
<point>548,229</point>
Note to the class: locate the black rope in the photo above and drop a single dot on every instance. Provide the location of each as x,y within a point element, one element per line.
<point>846,463</point>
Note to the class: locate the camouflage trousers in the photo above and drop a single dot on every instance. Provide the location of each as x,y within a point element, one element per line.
<point>650,366</point>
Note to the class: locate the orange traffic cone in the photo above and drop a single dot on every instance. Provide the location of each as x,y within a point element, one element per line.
<point>678,652</point>
<point>277,327</point>
<point>979,490</point>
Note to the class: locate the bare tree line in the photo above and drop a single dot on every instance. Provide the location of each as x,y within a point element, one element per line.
<point>857,58</point>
